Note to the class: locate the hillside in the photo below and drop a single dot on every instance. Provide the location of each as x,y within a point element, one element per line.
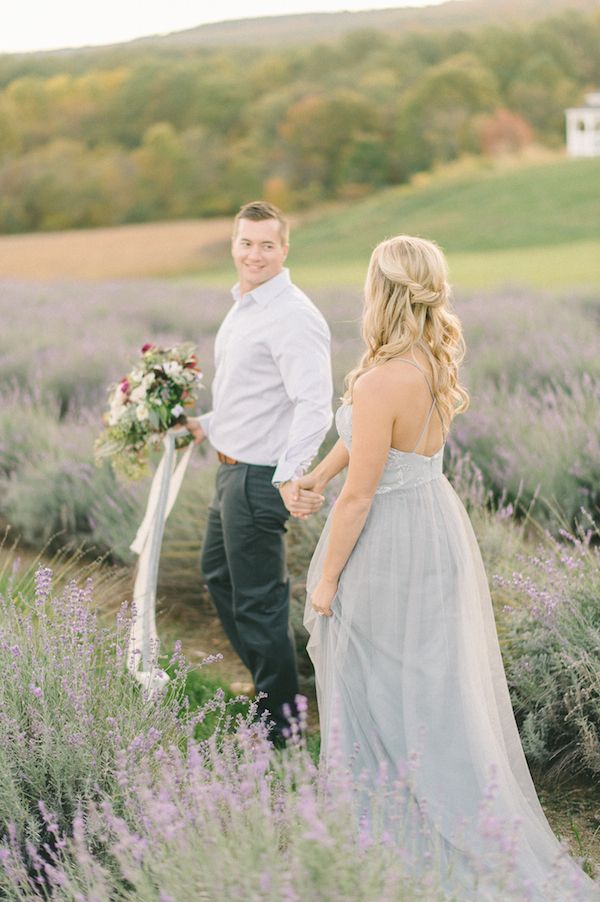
<point>535,224</point>
<point>154,134</point>
<point>469,211</point>
<point>316,27</point>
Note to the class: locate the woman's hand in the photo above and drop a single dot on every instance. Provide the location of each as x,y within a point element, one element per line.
<point>322,598</point>
<point>311,482</point>
<point>300,502</point>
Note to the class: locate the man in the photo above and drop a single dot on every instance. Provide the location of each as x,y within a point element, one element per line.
<point>271,410</point>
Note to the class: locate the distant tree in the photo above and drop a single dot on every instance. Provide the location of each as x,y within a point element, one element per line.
<point>201,176</point>
<point>571,40</point>
<point>277,191</point>
<point>271,72</point>
<point>364,45</point>
<point>242,176</point>
<point>316,131</point>
<point>437,121</point>
<point>364,164</point>
<point>502,51</point>
<point>160,164</point>
<point>10,132</point>
<point>63,185</point>
<point>540,93</point>
<point>504,132</point>
<point>28,98</point>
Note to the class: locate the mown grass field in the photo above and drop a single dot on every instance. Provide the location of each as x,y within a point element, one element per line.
<point>535,224</point>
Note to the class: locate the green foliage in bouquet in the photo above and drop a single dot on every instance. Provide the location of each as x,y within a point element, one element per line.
<point>145,404</point>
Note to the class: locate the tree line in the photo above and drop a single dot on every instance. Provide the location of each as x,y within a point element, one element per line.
<point>116,137</point>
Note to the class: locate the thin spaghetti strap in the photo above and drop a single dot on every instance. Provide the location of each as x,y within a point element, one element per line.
<point>421,370</point>
<point>425,425</point>
<point>433,403</point>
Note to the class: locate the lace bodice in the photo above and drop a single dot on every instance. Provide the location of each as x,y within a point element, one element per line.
<point>403,469</point>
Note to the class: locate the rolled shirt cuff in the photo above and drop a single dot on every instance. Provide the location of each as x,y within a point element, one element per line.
<point>286,470</point>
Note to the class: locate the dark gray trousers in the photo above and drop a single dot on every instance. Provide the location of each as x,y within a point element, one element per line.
<point>243,562</point>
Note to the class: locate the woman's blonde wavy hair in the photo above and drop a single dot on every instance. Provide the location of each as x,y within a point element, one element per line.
<point>407,306</point>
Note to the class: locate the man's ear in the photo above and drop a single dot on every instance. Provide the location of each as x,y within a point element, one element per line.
<point>286,250</point>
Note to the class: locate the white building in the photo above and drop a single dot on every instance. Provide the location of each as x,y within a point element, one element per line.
<point>583,128</point>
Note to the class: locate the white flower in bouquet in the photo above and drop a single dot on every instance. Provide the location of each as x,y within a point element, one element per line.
<point>142,412</point>
<point>146,404</point>
<point>172,368</point>
<point>139,393</point>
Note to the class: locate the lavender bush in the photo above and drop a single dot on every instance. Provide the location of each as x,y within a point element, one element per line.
<point>106,794</point>
<point>229,818</point>
<point>69,708</point>
<point>52,493</point>
<point>551,445</point>
<point>108,322</point>
<point>532,370</point>
<point>552,629</point>
<point>18,569</point>
<point>545,594</point>
<point>534,374</point>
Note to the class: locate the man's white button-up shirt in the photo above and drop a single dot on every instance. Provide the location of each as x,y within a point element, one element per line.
<point>272,388</point>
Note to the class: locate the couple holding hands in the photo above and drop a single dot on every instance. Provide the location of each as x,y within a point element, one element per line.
<point>401,628</point>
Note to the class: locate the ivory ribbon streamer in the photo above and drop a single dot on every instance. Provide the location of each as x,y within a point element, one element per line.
<point>143,638</point>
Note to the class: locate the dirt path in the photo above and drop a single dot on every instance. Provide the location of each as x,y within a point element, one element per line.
<point>199,630</point>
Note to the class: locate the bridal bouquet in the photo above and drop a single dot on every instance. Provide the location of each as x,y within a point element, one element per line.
<point>145,404</point>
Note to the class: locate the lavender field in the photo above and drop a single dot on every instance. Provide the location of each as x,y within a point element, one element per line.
<point>532,369</point>
<point>526,461</point>
<point>109,794</point>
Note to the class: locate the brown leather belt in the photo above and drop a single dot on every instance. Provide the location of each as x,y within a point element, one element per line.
<point>223,459</point>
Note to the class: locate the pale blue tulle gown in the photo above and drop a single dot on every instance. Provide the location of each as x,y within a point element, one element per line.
<point>410,662</point>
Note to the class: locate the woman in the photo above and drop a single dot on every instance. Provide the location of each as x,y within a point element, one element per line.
<point>402,633</point>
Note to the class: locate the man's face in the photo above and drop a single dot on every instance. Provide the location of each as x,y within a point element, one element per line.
<point>258,252</point>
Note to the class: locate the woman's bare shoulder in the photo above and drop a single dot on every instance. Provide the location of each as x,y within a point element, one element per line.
<point>391,379</point>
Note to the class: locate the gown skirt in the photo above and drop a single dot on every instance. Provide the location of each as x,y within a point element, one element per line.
<point>409,668</point>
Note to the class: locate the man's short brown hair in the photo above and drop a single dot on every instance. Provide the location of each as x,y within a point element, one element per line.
<point>258,210</point>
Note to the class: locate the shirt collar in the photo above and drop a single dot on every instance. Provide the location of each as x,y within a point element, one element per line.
<point>265,293</point>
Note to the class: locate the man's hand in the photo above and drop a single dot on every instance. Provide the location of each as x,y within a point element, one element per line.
<point>301,503</point>
<point>192,424</point>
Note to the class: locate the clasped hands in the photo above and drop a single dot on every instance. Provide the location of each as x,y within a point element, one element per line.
<point>300,496</point>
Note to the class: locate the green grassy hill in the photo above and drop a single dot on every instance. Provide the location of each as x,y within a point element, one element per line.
<point>530,224</point>
<point>538,224</point>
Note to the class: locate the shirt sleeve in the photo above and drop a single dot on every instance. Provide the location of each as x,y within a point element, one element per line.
<point>301,349</point>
